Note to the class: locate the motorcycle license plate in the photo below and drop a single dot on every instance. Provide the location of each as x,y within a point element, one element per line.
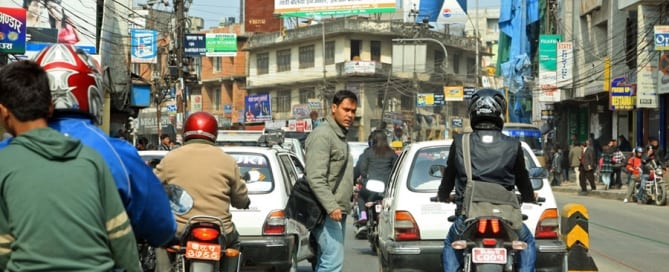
<point>489,255</point>
<point>203,251</point>
<point>378,207</point>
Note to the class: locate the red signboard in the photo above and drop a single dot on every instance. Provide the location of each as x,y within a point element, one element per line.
<point>259,16</point>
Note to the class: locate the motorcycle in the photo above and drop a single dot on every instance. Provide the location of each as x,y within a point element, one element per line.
<point>654,188</point>
<point>373,209</point>
<point>202,247</point>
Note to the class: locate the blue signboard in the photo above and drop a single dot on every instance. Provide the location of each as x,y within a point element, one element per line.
<point>12,30</point>
<point>144,47</point>
<point>195,45</point>
<point>258,108</point>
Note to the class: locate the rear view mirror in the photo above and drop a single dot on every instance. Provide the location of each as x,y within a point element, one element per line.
<point>538,173</point>
<point>437,170</point>
<point>376,186</point>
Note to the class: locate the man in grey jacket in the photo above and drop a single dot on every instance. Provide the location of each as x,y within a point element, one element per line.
<point>328,167</point>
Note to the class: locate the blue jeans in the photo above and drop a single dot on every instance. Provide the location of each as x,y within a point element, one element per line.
<point>642,188</point>
<point>330,237</point>
<point>452,259</point>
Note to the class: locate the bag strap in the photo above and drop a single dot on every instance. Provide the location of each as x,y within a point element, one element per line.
<point>466,155</point>
<point>342,171</point>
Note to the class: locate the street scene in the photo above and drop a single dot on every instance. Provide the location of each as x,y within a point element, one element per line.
<point>367,135</point>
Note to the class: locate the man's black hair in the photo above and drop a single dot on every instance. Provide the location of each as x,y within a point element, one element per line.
<point>344,94</point>
<point>163,136</point>
<point>24,90</point>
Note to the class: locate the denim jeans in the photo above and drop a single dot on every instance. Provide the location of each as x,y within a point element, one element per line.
<point>452,259</point>
<point>330,237</point>
<point>642,188</point>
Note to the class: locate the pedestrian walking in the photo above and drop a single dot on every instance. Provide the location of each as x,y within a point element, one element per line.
<point>575,159</point>
<point>606,168</point>
<point>587,168</point>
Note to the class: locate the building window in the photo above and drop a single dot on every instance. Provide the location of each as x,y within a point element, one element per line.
<point>375,48</point>
<point>407,102</point>
<point>281,102</point>
<point>329,52</point>
<point>439,61</point>
<point>306,94</point>
<point>283,60</point>
<point>262,63</point>
<point>356,48</point>
<point>380,95</point>
<point>471,66</point>
<point>307,56</point>
<point>456,65</point>
<point>215,95</point>
<point>216,64</point>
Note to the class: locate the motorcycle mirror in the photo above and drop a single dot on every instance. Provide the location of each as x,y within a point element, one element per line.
<point>376,186</point>
<point>436,170</point>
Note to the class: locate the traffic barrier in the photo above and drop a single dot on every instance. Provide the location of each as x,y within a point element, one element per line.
<point>575,234</point>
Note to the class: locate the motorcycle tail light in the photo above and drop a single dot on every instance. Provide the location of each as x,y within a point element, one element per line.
<point>205,234</point>
<point>275,223</point>
<point>483,225</point>
<point>548,226</point>
<point>489,242</point>
<point>494,224</point>
<point>518,245</point>
<point>406,228</point>
<point>459,244</point>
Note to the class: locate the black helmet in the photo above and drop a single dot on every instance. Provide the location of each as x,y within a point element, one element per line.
<point>487,106</point>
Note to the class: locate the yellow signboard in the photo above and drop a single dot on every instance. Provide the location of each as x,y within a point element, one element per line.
<point>454,93</point>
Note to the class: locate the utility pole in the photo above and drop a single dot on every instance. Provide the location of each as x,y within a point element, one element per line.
<point>179,47</point>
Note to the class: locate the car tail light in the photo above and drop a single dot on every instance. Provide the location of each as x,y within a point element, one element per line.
<point>205,234</point>
<point>406,228</point>
<point>548,226</point>
<point>275,223</point>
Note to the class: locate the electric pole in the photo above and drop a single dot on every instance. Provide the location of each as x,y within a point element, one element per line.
<point>179,48</point>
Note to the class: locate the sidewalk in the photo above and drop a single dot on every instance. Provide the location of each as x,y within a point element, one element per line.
<point>573,187</point>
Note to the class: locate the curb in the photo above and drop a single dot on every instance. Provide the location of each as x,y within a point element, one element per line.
<point>617,194</point>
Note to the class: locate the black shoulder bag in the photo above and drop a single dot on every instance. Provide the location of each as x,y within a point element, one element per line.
<point>304,207</point>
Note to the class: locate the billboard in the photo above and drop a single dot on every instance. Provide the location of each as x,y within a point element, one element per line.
<point>454,93</point>
<point>221,44</point>
<point>565,64</point>
<point>661,37</point>
<point>144,46</point>
<point>288,8</point>
<point>12,30</point>
<point>258,108</point>
<point>45,26</point>
<point>195,45</point>
<point>548,54</point>
<point>259,17</point>
<point>622,95</point>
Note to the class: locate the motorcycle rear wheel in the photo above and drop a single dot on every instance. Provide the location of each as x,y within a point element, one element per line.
<point>661,197</point>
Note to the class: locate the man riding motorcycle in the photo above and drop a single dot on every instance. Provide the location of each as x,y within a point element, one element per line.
<point>495,158</point>
<point>649,163</point>
<point>207,174</point>
<point>77,93</point>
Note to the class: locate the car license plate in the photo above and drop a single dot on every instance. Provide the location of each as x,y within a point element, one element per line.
<point>203,251</point>
<point>489,255</point>
<point>378,208</point>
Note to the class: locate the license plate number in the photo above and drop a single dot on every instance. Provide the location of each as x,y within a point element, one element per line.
<point>378,208</point>
<point>203,251</point>
<point>489,255</point>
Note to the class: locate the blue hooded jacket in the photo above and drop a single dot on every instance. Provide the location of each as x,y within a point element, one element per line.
<point>141,192</point>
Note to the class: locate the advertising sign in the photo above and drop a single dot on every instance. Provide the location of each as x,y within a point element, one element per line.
<point>663,74</point>
<point>454,93</point>
<point>661,37</point>
<point>78,26</point>
<point>195,45</point>
<point>622,95</point>
<point>195,103</point>
<point>548,54</point>
<point>12,30</point>
<point>221,44</point>
<point>144,46</point>
<point>289,8</point>
<point>258,108</point>
<point>646,79</point>
<point>259,17</point>
<point>424,100</point>
<point>301,111</point>
<point>565,64</point>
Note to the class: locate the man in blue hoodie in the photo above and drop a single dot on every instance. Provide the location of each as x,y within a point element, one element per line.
<point>59,210</point>
<point>78,98</point>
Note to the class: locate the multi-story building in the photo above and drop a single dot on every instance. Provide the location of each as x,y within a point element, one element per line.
<point>301,69</point>
<point>615,86</point>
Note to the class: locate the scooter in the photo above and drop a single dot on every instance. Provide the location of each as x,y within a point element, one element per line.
<point>202,247</point>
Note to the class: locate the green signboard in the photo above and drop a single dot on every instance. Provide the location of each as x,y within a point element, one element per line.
<point>548,52</point>
<point>221,44</point>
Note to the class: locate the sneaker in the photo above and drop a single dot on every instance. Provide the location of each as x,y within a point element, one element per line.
<point>625,200</point>
<point>361,233</point>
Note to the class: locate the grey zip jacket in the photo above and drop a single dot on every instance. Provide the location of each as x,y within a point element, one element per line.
<point>326,154</point>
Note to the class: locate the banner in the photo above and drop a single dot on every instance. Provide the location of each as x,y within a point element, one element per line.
<point>663,74</point>
<point>454,93</point>
<point>424,100</point>
<point>331,8</point>
<point>453,13</point>
<point>258,108</point>
<point>12,30</point>
<point>195,45</point>
<point>144,47</point>
<point>646,85</point>
<point>221,44</point>
<point>548,68</point>
<point>565,64</point>
<point>622,95</point>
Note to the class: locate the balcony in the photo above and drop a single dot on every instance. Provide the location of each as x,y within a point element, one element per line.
<point>363,68</point>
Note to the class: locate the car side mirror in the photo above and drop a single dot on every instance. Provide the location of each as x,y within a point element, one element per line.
<point>437,170</point>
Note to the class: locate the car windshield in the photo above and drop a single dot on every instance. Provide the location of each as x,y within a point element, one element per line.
<point>255,171</point>
<point>421,180</point>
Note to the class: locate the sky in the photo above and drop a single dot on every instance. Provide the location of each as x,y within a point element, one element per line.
<point>214,11</point>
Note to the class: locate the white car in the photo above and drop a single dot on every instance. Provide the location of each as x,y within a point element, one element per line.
<point>268,239</point>
<point>412,229</point>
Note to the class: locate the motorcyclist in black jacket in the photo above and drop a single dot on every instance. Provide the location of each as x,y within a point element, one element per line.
<point>495,158</point>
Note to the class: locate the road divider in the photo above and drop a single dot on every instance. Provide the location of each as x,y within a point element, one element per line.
<point>574,222</point>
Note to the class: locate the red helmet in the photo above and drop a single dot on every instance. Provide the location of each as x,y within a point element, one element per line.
<point>75,80</point>
<point>201,125</point>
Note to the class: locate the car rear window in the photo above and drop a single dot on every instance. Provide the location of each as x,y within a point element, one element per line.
<point>256,172</point>
<point>419,177</point>
<point>421,180</point>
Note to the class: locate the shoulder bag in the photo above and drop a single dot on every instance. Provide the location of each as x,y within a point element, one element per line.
<point>486,198</point>
<point>304,207</point>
